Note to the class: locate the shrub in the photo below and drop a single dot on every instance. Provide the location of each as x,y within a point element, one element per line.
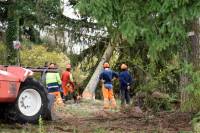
<point>37,55</point>
<point>3,53</point>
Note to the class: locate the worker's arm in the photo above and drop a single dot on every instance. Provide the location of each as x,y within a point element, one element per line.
<point>130,79</point>
<point>115,76</point>
<point>71,80</point>
<point>62,76</point>
<point>101,78</point>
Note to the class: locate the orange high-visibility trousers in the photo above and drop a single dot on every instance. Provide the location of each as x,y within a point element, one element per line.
<point>58,100</point>
<point>108,97</point>
<point>67,89</point>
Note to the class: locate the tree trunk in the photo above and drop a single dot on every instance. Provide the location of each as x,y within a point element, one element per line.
<point>56,38</point>
<point>192,57</point>
<point>195,45</point>
<point>12,32</point>
<point>89,92</point>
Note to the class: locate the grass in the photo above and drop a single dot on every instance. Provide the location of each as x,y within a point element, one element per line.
<point>77,112</point>
<point>100,130</point>
<point>18,128</point>
<point>84,109</point>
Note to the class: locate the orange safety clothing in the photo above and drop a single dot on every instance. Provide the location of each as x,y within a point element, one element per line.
<point>67,89</point>
<point>67,83</point>
<point>58,99</point>
<point>108,97</point>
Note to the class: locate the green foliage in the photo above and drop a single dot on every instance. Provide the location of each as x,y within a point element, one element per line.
<point>196,118</point>
<point>12,34</point>
<point>161,24</point>
<point>157,104</point>
<point>3,53</point>
<point>48,12</point>
<point>161,76</point>
<point>27,16</point>
<point>41,125</point>
<point>196,123</point>
<point>166,79</point>
<point>100,130</point>
<point>37,55</point>
<point>192,88</point>
<point>79,76</point>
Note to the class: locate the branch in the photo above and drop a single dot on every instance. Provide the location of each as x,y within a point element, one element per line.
<point>82,22</point>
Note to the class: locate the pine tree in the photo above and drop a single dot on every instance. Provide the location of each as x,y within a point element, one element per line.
<point>161,25</point>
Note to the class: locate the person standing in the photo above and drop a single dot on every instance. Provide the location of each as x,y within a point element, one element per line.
<point>67,81</point>
<point>106,77</point>
<point>53,82</point>
<point>125,82</point>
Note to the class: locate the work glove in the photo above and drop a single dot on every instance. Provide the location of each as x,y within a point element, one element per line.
<point>102,81</point>
<point>128,88</point>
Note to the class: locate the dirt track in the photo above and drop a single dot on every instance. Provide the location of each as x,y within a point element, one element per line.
<point>89,117</point>
<point>118,122</point>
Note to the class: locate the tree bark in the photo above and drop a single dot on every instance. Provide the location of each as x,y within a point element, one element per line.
<point>191,57</point>
<point>12,32</point>
<point>89,92</point>
<point>195,45</point>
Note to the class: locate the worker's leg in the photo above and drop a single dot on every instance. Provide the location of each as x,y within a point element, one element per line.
<point>112,98</point>
<point>105,96</point>
<point>65,90</point>
<point>122,92</point>
<point>127,96</point>
<point>61,93</point>
<point>58,99</point>
<point>70,89</point>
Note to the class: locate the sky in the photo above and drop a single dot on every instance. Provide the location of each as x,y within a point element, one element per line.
<point>69,11</point>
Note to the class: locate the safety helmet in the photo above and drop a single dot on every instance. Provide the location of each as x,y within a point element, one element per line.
<point>124,66</point>
<point>106,65</point>
<point>68,66</point>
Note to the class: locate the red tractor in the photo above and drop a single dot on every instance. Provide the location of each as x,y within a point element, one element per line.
<point>22,98</point>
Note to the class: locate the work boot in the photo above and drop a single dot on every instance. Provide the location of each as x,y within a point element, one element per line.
<point>106,108</point>
<point>64,98</point>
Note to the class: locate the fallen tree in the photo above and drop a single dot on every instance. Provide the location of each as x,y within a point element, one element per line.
<point>89,92</point>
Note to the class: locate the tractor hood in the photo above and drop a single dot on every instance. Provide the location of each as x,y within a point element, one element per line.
<point>14,73</point>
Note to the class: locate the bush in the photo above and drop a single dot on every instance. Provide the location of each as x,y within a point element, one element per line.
<point>37,55</point>
<point>3,53</point>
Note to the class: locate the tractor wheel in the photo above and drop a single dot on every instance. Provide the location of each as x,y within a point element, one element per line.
<point>31,103</point>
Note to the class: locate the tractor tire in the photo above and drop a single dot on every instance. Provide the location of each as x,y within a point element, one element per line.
<point>31,103</point>
<point>50,113</point>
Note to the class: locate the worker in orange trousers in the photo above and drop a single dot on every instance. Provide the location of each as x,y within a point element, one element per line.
<point>67,81</point>
<point>106,77</point>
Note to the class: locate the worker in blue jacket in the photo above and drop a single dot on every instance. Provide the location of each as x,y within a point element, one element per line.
<point>106,77</point>
<point>125,82</point>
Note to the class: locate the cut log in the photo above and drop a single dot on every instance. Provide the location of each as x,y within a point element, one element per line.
<point>89,92</point>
